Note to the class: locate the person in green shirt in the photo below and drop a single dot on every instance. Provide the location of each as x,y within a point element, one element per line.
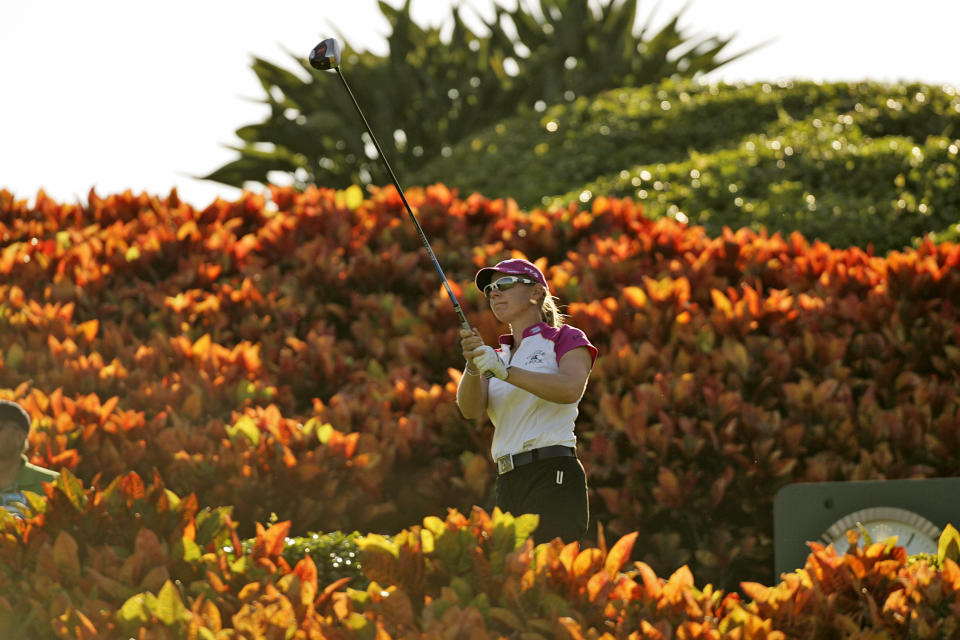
<point>16,473</point>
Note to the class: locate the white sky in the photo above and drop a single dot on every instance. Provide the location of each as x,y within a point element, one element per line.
<point>123,94</point>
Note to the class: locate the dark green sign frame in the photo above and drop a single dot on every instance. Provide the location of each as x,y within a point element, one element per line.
<point>802,512</point>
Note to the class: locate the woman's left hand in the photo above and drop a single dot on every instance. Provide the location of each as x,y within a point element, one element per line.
<point>488,360</point>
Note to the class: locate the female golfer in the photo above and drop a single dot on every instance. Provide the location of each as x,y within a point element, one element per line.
<point>539,372</point>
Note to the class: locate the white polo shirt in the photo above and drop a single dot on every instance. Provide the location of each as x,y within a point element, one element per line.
<point>521,420</point>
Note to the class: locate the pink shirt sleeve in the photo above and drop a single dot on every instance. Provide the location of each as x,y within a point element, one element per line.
<point>571,338</point>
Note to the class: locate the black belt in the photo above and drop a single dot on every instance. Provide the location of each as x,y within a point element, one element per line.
<point>510,462</point>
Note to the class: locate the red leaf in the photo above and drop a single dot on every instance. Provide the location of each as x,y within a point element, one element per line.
<point>132,488</point>
<point>306,570</point>
<point>108,408</point>
<point>270,542</point>
<point>330,589</point>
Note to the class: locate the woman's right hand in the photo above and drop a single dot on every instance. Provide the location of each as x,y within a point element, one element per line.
<point>470,344</point>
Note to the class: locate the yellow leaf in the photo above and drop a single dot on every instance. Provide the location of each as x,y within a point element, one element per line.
<point>324,432</point>
<point>169,607</point>
<point>434,525</point>
<point>636,296</point>
<point>134,611</point>
<point>426,541</point>
<point>376,542</point>
<point>89,329</point>
<point>949,545</point>
<point>588,560</point>
<point>188,228</point>
<point>722,302</point>
<point>245,427</point>
<point>354,197</point>
<point>201,348</point>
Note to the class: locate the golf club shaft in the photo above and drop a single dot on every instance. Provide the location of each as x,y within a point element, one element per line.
<point>396,183</point>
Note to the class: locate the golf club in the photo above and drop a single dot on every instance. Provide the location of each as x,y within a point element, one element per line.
<point>325,56</point>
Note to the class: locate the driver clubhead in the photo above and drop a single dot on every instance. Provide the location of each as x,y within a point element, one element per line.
<point>326,55</point>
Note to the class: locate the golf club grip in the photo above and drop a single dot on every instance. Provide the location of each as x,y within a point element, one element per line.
<point>406,205</point>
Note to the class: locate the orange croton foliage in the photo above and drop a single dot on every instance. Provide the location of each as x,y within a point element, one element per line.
<point>871,591</point>
<point>294,353</point>
<point>136,560</point>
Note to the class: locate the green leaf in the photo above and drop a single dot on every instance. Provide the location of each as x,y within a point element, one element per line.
<point>507,618</point>
<point>503,537</point>
<point>71,487</point>
<point>356,622</point>
<point>509,532</point>
<point>239,566</point>
<point>463,589</point>
<point>37,502</point>
<point>211,525</point>
<point>187,550</point>
<point>525,525</point>
<point>66,555</point>
<point>13,357</point>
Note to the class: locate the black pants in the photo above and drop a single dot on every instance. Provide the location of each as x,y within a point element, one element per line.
<point>556,490</point>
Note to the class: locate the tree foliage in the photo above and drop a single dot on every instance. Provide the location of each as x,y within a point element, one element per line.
<point>433,89</point>
<point>862,163</point>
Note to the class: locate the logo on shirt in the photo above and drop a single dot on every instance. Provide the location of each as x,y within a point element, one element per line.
<point>537,357</point>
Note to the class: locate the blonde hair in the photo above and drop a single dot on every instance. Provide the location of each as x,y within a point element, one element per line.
<point>549,310</point>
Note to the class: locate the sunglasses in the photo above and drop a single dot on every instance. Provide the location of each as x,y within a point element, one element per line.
<point>505,284</point>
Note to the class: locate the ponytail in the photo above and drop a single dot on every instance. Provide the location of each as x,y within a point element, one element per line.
<point>549,311</point>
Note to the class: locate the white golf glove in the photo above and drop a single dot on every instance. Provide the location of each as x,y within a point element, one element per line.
<point>488,360</point>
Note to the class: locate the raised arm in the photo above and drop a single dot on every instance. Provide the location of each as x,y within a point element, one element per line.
<point>564,387</point>
<point>472,390</point>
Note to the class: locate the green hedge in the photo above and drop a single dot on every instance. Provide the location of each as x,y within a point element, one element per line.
<point>883,192</point>
<point>336,555</point>
<point>878,160</point>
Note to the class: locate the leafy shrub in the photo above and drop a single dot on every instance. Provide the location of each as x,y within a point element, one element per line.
<point>850,164</point>
<point>299,357</point>
<point>336,555</point>
<point>167,570</point>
